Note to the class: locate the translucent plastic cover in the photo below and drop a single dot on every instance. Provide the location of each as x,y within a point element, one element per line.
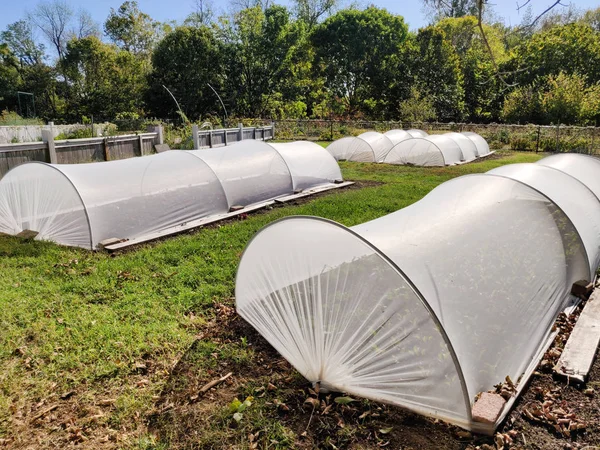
<point>430,306</point>
<point>379,143</point>
<point>39,197</point>
<point>367,147</point>
<point>583,167</point>
<point>417,133</point>
<point>482,146</point>
<point>397,136</point>
<point>434,150</point>
<point>579,203</point>
<point>342,315</point>
<point>84,204</point>
<point>467,146</point>
<point>250,171</point>
<point>309,163</point>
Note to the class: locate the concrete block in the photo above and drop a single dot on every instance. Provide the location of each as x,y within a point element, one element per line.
<point>488,408</point>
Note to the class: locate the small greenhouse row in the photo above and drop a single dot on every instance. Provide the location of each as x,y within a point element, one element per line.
<point>84,204</point>
<point>412,147</point>
<point>429,306</point>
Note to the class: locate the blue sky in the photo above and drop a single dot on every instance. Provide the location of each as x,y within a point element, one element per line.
<point>11,11</point>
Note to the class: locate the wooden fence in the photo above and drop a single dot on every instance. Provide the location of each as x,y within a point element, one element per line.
<point>73,151</point>
<point>222,137</point>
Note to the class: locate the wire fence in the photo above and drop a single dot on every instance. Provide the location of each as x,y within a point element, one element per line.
<point>532,138</point>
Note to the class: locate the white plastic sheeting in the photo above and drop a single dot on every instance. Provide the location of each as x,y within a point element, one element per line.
<point>397,136</point>
<point>417,133</point>
<point>433,150</point>
<point>583,167</point>
<point>428,306</point>
<point>467,146</point>
<point>309,164</point>
<point>483,148</point>
<point>84,204</point>
<point>367,147</point>
<point>575,199</point>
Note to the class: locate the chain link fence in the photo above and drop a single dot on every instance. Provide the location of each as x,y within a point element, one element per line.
<point>532,138</point>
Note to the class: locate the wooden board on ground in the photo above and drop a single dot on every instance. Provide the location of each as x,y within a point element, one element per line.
<point>308,192</point>
<point>578,355</point>
<point>185,227</point>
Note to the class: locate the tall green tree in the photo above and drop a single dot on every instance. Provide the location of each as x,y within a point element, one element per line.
<point>482,87</point>
<point>103,80</point>
<point>437,69</point>
<point>19,38</point>
<point>267,53</point>
<point>357,53</point>
<point>186,61</point>
<point>131,29</point>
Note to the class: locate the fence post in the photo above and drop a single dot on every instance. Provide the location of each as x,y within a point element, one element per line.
<point>225,136</point>
<point>195,137</point>
<point>272,129</point>
<point>537,143</point>
<point>48,137</point>
<point>241,132</point>
<point>210,139</point>
<point>106,152</point>
<point>141,139</point>
<point>158,129</point>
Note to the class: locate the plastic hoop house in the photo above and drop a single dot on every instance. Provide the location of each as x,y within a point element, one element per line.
<point>430,305</point>
<point>367,147</point>
<point>433,150</point>
<point>83,204</point>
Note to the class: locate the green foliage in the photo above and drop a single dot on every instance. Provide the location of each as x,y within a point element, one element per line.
<point>417,108</point>
<point>186,61</point>
<point>12,118</point>
<point>437,67</point>
<point>356,51</point>
<point>131,29</point>
<point>97,73</point>
<point>563,98</point>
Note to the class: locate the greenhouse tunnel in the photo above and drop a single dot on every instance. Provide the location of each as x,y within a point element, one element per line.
<point>397,136</point>
<point>428,306</point>
<point>467,146</point>
<point>434,150</point>
<point>84,204</point>
<point>481,144</point>
<point>417,133</point>
<point>367,147</point>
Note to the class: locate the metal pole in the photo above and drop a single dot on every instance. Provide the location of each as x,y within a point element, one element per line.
<point>226,117</point>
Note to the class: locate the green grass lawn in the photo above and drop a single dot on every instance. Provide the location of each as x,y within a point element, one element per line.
<point>98,335</point>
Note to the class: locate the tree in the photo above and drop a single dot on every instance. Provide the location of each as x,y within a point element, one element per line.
<point>202,16</point>
<point>131,29</point>
<point>563,98</point>
<point>482,89</point>
<point>312,11</point>
<point>52,18</point>
<point>452,8</point>
<point>268,59</point>
<point>97,74</point>
<point>185,61</point>
<point>437,69</point>
<point>357,53</point>
<point>19,38</point>
<point>9,78</point>
<point>572,48</point>
<point>55,18</point>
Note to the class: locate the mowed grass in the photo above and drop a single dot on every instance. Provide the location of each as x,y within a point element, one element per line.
<point>98,335</point>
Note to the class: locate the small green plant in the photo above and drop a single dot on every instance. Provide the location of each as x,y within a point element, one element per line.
<point>237,408</point>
